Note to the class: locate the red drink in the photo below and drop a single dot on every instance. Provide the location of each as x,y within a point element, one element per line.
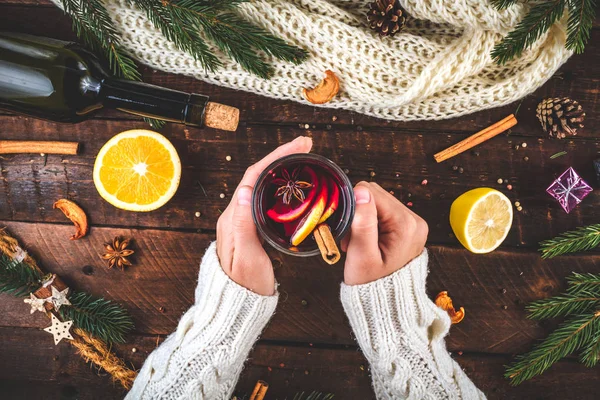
<point>297,193</point>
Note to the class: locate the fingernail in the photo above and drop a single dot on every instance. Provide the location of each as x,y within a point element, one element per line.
<point>362,195</point>
<point>244,196</point>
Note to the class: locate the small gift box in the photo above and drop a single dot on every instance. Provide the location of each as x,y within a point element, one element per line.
<point>569,189</point>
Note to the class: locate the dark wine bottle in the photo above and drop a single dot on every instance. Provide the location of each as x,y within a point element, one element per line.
<point>61,81</point>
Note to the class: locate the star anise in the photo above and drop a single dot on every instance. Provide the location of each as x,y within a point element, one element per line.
<point>117,253</point>
<point>289,186</point>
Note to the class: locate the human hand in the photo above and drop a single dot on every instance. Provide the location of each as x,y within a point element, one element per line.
<point>385,236</point>
<point>239,248</point>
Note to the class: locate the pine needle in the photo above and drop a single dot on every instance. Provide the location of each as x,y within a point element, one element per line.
<point>580,283</point>
<point>579,26</point>
<point>559,154</point>
<point>503,4</point>
<point>540,18</point>
<point>101,318</point>
<point>580,239</point>
<point>573,334</point>
<point>563,305</point>
<point>17,278</point>
<point>591,352</point>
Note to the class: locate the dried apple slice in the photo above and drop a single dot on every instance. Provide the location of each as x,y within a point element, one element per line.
<point>333,203</point>
<point>311,220</point>
<point>282,212</point>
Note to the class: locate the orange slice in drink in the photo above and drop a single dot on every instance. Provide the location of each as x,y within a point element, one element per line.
<point>137,170</point>
<point>311,220</point>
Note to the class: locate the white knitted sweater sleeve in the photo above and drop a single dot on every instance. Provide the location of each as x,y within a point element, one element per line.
<point>203,358</point>
<point>401,332</point>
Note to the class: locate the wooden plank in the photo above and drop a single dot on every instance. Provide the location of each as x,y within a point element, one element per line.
<point>165,273</point>
<point>578,78</point>
<point>28,188</point>
<point>52,372</point>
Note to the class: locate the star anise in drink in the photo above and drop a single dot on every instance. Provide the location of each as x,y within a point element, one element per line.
<point>290,186</point>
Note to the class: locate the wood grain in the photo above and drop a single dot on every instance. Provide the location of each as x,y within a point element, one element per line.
<point>58,373</point>
<point>30,184</point>
<point>309,311</point>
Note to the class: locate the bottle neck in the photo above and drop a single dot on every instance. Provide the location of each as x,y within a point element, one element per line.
<point>153,101</point>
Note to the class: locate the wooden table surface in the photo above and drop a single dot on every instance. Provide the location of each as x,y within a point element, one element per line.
<point>308,345</point>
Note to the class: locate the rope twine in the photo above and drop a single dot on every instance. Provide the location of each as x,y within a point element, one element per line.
<point>89,348</point>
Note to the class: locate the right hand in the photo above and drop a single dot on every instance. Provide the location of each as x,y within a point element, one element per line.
<point>385,236</point>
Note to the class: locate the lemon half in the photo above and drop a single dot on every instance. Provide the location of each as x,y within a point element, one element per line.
<point>481,219</point>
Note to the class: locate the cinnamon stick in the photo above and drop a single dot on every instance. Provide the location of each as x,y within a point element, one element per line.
<point>477,138</point>
<point>327,246</point>
<point>260,390</point>
<point>31,146</point>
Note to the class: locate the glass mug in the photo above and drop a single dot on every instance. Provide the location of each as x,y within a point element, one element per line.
<point>286,193</point>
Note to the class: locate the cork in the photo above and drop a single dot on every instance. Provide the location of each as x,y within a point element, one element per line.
<point>220,116</point>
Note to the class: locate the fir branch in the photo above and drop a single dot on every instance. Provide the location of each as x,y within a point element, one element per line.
<point>570,336</point>
<point>181,21</point>
<point>539,19</point>
<point>503,4</point>
<point>93,25</point>
<point>579,26</point>
<point>18,278</point>
<point>101,318</point>
<point>581,239</point>
<point>563,305</point>
<point>590,355</point>
<point>580,283</point>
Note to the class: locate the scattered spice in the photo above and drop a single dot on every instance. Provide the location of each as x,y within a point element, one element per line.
<point>334,118</point>
<point>325,91</point>
<point>222,195</point>
<point>306,372</point>
<point>525,158</point>
<point>161,309</point>
<point>304,302</point>
<point>505,307</point>
<point>523,145</point>
<point>117,253</point>
<point>517,204</point>
<point>306,126</point>
<point>503,291</point>
<point>444,301</point>
<point>455,168</point>
<point>134,350</point>
<point>197,214</point>
<point>519,208</point>
<point>372,174</point>
<point>559,154</point>
<point>509,187</point>
<point>499,181</point>
<point>362,367</point>
<point>409,204</point>
<point>228,158</point>
<point>461,170</point>
<point>328,127</point>
<point>424,182</point>
<point>517,147</point>
<point>76,215</point>
<point>460,353</point>
<point>282,365</point>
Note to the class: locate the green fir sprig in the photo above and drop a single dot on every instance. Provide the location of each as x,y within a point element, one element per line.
<point>541,16</point>
<point>16,278</point>
<point>580,331</point>
<point>101,318</point>
<point>581,239</point>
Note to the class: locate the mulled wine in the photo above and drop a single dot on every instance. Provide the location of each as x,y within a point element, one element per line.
<point>295,195</point>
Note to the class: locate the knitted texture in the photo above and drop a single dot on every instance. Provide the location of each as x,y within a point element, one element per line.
<point>203,358</point>
<point>401,332</point>
<point>438,67</point>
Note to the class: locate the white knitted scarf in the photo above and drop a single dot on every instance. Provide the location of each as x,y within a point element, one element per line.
<point>438,67</point>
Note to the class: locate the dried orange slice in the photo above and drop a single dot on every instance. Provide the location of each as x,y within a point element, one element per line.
<point>137,170</point>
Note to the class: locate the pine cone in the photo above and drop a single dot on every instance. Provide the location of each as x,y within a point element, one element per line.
<point>386,17</point>
<point>560,116</point>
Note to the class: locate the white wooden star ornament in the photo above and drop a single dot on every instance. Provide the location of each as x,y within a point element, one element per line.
<point>60,330</point>
<point>59,298</point>
<point>35,303</point>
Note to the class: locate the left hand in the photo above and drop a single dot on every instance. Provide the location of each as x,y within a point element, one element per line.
<point>238,246</point>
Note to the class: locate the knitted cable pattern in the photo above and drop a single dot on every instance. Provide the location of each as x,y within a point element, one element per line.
<point>204,357</point>
<point>401,332</point>
<point>438,67</point>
